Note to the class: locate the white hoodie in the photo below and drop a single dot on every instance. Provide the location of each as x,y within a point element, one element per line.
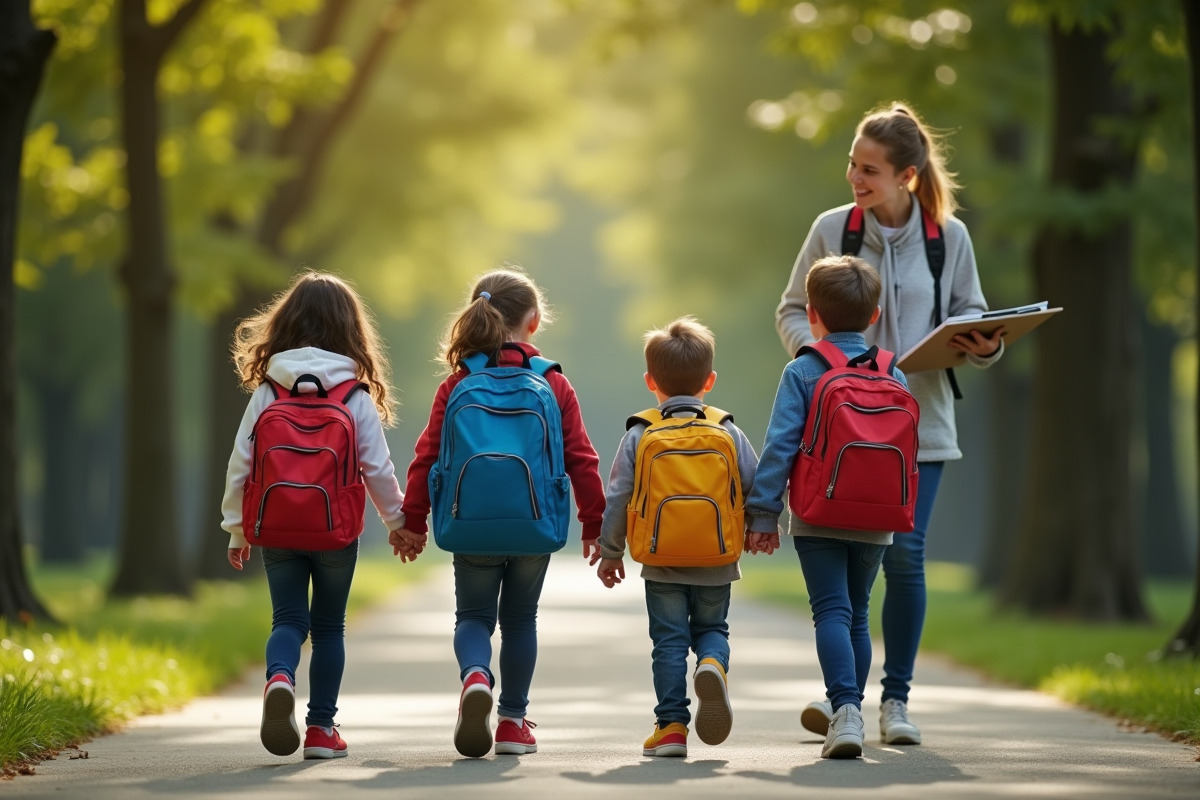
<point>374,458</point>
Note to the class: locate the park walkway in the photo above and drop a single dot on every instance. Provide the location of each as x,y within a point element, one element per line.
<point>593,703</point>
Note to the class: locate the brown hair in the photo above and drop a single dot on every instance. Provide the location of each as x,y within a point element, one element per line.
<point>487,322</point>
<point>845,291</point>
<point>679,356</point>
<point>910,143</point>
<point>317,310</point>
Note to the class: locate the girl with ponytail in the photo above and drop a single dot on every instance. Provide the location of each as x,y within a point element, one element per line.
<point>504,306</point>
<point>901,186</point>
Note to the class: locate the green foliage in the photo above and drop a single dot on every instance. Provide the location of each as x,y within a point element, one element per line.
<point>1112,668</point>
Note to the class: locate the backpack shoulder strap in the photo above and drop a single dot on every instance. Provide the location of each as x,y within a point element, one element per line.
<point>935,254</point>
<point>648,417</point>
<point>714,414</point>
<point>346,389</point>
<point>277,390</point>
<point>828,352</point>
<point>543,365</point>
<point>475,362</point>
<point>852,232</point>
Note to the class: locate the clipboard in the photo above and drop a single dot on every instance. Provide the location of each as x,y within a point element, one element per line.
<point>934,351</point>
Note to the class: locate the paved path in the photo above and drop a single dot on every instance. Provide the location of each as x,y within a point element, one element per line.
<point>593,702</point>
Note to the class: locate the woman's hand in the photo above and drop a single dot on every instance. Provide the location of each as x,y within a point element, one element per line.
<point>977,344</point>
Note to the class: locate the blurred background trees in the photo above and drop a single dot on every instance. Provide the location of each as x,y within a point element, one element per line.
<point>642,160</point>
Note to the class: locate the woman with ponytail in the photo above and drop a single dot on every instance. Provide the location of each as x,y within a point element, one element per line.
<point>903,194</point>
<point>504,308</point>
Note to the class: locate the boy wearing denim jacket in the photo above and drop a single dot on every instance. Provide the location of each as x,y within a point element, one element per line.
<point>839,565</point>
<point>687,606</point>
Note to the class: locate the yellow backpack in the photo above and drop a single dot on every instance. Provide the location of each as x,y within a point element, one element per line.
<point>687,508</point>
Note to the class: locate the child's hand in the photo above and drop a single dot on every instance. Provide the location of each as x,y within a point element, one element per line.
<point>591,551</point>
<point>761,542</point>
<point>407,544</point>
<point>238,556</point>
<point>611,571</point>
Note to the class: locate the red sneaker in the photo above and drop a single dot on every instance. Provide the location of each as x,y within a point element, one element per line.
<point>517,740</point>
<point>319,744</point>
<point>473,731</point>
<point>278,730</point>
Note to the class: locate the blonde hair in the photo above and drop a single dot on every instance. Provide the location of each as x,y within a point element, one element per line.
<point>316,310</point>
<point>679,356</point>
<point>498,305</point>
<point>910,143</point>
<point>844,290</point>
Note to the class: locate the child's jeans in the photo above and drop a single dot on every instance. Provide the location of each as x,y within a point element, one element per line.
<point>684,616</point>
<point>506,589</point>
<point>289,573</point>
<point>839,575</point>
<point>904,590</point>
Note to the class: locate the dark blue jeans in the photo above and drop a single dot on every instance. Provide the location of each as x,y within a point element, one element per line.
<point>293,619</point>
<point>839,574</point>
<point>904,592</point>
<point>504,589</point>
<point>683,616</point>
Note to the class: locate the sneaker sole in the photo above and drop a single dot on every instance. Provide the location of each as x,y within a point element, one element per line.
<point>323,752</point>
<point>844,748</point>
<point>472,734</point>
<point>906,737</point>
<point>714,717</point>
<point>278,731</point>
<point>667,750</point>
<point>815,720</point>
<point>514,749</point>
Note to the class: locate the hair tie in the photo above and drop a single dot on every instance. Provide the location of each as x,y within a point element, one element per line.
<point>486,295</point>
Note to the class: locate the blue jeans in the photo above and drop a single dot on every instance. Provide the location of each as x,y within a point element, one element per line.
<point>684,616</point>
<point>904,594</point>
<point>839,574</point>
<point>504,589</point>
<point>289,573</point>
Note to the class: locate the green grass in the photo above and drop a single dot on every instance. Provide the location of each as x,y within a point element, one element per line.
<point>1111,668</point>
<point>111,661</point>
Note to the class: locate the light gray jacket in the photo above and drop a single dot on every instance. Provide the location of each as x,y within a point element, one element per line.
<point>906,307</point>
<point>620,489</point>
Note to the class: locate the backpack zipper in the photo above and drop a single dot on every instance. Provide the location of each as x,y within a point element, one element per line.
<point>658,518</point>
<point>718,453</point>
<point>860,409</point>
<point>505,411</point>
<point>296,449</point>
<point>537,512</point>
<point>817,401</point>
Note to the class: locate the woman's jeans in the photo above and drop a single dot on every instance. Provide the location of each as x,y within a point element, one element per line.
<point>839,574</point>
<point>904,592</point>
<point>684,616</point>
<point>506,589</point>
<point>289,573</point>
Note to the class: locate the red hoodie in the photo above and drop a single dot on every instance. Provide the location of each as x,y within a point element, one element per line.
<point>582,463</point>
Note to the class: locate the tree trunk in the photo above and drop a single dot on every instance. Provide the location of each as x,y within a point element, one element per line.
<point>1163,547</point>
<point>64,490</point>
<point>150,559</point>
<point>1186,640</point>
<point>1077,555</point>
<point>24,51</point>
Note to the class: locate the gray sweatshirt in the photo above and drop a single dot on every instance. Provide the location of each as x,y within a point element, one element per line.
<point>620,490</point>
<point>906,307</point>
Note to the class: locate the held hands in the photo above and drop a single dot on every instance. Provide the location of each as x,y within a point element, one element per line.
<point>977,344</point>
<point>238,556</point>
<point>591,551</point>
<point>611,571</point>
<point>761,542</point>
<point>407,544</point>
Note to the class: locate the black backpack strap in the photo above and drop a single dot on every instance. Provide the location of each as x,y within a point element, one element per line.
<point>935,254</point>
<point>353,387</point>
<point>852,232</point>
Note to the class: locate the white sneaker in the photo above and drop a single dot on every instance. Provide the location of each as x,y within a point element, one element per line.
<point>845,737</point>
<point>894,725</point>
<point>816,715</point>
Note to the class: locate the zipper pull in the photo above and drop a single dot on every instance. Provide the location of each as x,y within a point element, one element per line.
<point>454,511</point>
<point>829,492</point>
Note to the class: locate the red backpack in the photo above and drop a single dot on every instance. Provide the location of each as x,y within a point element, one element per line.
<point>857,465</point>
<point>305,491</point>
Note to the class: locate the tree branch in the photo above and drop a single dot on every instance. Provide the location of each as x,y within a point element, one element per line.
<point>169,31</point>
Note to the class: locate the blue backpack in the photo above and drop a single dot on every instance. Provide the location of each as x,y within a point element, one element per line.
<point>499,486</point>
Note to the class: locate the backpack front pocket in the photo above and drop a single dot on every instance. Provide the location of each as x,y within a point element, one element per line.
<point>869,462</point>
<point>295,507</point>
<point>688,526</point>
<point>475,492</point>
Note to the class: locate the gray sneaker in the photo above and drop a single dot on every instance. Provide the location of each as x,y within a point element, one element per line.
<point>894,725</point>
<point>816,715</point>
<point>845,737</point>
